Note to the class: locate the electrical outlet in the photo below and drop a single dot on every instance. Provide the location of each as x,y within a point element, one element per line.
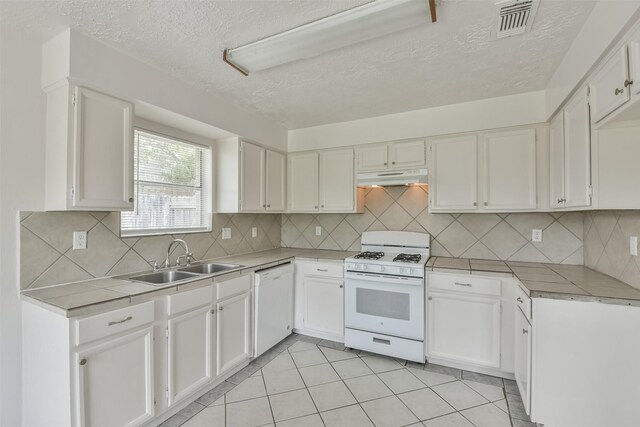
<point>318,230</point>
<point>254,231</point>
<point>79,240</point>
<point>536,235</point>
<point>226,233</point>
<point>633,245</point>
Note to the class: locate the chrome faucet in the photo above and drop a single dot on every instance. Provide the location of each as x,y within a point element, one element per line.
<point>187,255</point>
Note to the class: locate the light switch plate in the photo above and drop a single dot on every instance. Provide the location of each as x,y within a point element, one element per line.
<point>536,235</point>
<point>226,233</point>
<point>633,245</point>
<point>254,231</point>
<point>79,240</point>
<point>318,230</point>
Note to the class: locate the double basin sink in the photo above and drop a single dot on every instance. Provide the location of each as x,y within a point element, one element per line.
<point>165,277</point>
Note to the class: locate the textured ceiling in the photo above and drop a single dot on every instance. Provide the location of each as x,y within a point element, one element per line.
<point>454,60</point>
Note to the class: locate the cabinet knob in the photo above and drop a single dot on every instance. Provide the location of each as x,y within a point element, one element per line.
<point>212,311</point>
<point>83,362</point>
<point>618,91</point>
<point>628,83</point>
<point>524,331</point>
<point>316,207</point>
<point>221,308</point>
<point>486,204</point>
<point>341,286</point>
<point>430,298</point>
<point>385,163</point>
<point>264,206</point>
<point>475,203</point>
<point>130,199</point>
<point>268,206</point>
<point>322,206</point>
<point>393,163</point>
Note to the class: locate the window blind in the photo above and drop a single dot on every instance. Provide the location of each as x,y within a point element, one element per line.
<point>172,186</point>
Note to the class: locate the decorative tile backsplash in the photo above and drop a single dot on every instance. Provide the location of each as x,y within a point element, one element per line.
<point>47,257</point>
<point>485,236</point>
<point>606,244</point>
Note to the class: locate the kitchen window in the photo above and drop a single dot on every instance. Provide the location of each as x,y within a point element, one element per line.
<point>172,186</point>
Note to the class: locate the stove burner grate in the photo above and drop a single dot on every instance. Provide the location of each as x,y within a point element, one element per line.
<point>369,255</point>
<point>415,258</point>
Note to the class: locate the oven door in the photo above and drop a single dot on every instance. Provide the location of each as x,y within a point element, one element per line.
<point>388,305</point>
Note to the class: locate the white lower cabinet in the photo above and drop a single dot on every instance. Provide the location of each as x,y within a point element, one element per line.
<point>523,358</point>
<point>464,328</point>
<point>233,332</point>
<point>115,381</point>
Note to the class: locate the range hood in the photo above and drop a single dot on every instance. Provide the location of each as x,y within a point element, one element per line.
<point>396,177</point>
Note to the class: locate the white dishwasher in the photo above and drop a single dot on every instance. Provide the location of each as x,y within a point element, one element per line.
<point>273,307</point>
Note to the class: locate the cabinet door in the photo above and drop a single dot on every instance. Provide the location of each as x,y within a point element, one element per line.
<point>634,62</point>
<point>189,352</point>
<point>233,332</point>
<point>523,359</point>
<point>608,91</point>
<point>337,186</point>
<point>509,170</point>
<point>577,152</point>
<point>372,158</point>
<point>275,182</point>
<point>464,328</point>
<point>252,177</point>
<point>115,382</point>
<point>324,299</point>
<point>303,182</point>
<point>454,174</point>
<point>103,152</point>
<point>407,154</point>
<point>556,160</point>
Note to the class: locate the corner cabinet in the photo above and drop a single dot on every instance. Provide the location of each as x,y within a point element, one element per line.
<point>249,178</point>
<point>89,150</point>
<point>485,172</point>
<point>570,155</point>
<point>323,181</point>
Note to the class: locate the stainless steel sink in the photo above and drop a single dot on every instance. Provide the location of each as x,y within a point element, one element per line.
<point>163,277</point>
<point>210,268</point>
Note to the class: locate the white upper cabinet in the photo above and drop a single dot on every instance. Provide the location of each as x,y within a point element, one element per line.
<point>509,170</point>
<point>556,161</point>
<point>610,86</point>
<point>453,174</point>
<point>252,177</point>
<point>323,181</point>
<point>394,155</point>
<point>303,182</point>
<point>275,185</point>
<point>337,180</point>
<point>407,154</point>
<point>89,152</point>
<point>373,158</point>
<point>249,178</point>
<point>577,152</point>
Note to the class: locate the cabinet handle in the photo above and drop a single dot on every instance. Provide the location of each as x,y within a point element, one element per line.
<point>381,341</point>
<point>268,206</point>
<point>486,204</point>
<point>628,83</point>
<point>322,269</point>
<point>221,308</point>
<point>468,285</point>
<point>117,322</point>
<point>430,298</point>
<point>475,203</point>
<point>385,163</point>
<point>212,311</point>
<point>524,331</point>
<point>519,300</point>
<point>316,207</point>
<point>393,163</point>
<point>322,206</point>
<point>264,206</point>
<point>618,91</point>
<point>130,199</point>
<point>83,362</point>
<point>341,286</point>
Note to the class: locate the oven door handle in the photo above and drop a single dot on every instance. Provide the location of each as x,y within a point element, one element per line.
<point>379,278</point>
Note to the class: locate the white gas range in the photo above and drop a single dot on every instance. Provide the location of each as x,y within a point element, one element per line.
<point>384,294</point>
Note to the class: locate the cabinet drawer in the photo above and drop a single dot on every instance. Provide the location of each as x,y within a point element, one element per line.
<point>523,301</point>
<point>233,287</point>
<point>189,300</point>
<point>464,283</point>
<point>324,269</point>
<point>113,322</point>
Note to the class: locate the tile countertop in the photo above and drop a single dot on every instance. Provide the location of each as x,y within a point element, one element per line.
<point>557,281</point>
<point>109,293</point>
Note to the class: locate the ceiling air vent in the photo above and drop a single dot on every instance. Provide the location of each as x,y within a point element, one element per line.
<point>515,17</point>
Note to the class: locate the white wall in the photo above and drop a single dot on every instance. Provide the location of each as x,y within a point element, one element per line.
<point>490,113</point>
<point>22,114</point>
<point>104,68</point>
<point>607,21</point>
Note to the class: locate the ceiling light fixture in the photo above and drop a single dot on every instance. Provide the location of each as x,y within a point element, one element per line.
<point>361,23</point>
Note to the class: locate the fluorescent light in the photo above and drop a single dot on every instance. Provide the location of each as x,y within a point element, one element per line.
<point>362,23</point>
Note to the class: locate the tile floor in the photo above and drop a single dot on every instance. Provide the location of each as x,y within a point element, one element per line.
<point>309,382</point>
